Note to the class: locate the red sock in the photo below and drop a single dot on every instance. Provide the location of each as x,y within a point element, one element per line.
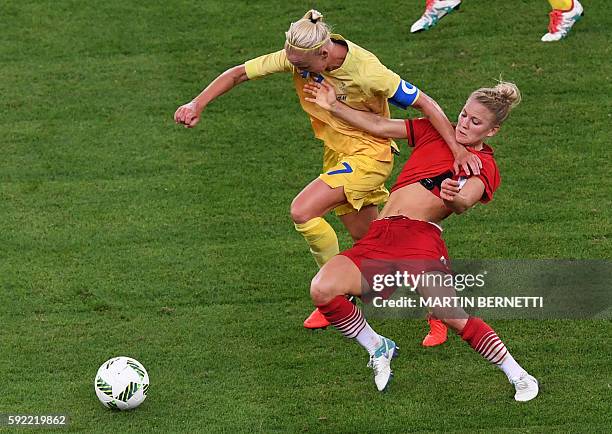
<point>484,340</point>
<point>344,316</point>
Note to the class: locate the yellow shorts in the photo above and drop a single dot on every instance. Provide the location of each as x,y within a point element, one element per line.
<point>363,179</point>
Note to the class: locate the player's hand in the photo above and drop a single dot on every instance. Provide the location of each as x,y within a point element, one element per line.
<point>470,163</point>
<point>187,114</point>
<point>323,94</point>
<point>449,189</point>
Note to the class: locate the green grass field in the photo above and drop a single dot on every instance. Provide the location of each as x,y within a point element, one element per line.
<point>123,234</point>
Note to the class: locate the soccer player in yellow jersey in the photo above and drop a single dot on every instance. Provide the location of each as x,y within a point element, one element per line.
<point>356,164</point>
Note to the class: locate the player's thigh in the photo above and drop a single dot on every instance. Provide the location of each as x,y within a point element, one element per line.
<point>339,276</point>
<point>358,222</point>
<point>442,298</point>
<point>316,200</point>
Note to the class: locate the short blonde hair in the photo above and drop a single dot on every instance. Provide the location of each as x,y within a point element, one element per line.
<point>499,100</point>
<point>308,34</point>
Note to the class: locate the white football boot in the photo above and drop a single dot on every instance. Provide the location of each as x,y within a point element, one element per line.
<point>380,362</point>
<point>526,388</point>
<point>561,22</point>
<point>434,11</point>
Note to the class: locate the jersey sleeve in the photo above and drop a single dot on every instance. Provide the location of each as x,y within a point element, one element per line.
<point>491,179</point>
<point>489,175</point>
<point>419,131</point>
<point>267,64</point>
<point>379,80</point>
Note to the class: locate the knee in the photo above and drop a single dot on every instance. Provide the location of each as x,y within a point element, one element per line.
<point>300,213</point>
<point>321,292</point>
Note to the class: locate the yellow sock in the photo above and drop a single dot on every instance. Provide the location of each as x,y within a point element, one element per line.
<point>321,238</point>
<point>563,5</point>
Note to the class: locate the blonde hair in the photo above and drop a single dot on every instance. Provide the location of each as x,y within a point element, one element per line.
<point>309,33</point>
<point>499,100</point>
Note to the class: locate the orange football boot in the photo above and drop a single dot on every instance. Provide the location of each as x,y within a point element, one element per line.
<point>437,332</point>
<point>316,320</point>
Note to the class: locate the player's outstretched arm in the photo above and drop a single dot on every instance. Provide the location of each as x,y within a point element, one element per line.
<point>189,114</point>
<point>460,199</point>
<point>324,95</point>
<point>465,160</point>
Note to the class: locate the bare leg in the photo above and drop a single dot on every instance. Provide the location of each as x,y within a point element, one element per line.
<point>307,209</point>
<point>454,317</point>
<point>483,339</point>
<point>316,200</point>
<point>358,222</point>
<point>339,276</point>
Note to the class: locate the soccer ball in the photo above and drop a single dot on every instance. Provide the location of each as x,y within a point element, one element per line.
<point>121,383</point>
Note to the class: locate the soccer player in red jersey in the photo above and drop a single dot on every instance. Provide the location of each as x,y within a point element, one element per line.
<point>355,164</point>
<point>425,193</point>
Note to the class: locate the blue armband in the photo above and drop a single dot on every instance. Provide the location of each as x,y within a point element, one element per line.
<point>405,95</point>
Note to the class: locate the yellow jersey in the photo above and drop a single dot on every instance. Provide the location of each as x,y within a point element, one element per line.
<point>362,82</point>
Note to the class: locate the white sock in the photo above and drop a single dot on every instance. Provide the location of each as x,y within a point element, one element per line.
<point>369,339</point>
<point>511,368</point>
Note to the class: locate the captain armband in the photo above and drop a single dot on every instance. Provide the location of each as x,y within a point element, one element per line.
<point>405,95</point>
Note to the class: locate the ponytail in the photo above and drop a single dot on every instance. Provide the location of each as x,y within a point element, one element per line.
<point>310,33</point>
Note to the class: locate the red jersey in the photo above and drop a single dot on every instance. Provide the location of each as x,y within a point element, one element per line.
<point>432,157</point>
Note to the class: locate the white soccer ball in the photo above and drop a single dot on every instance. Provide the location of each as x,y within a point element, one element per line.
<point>121,383</point>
